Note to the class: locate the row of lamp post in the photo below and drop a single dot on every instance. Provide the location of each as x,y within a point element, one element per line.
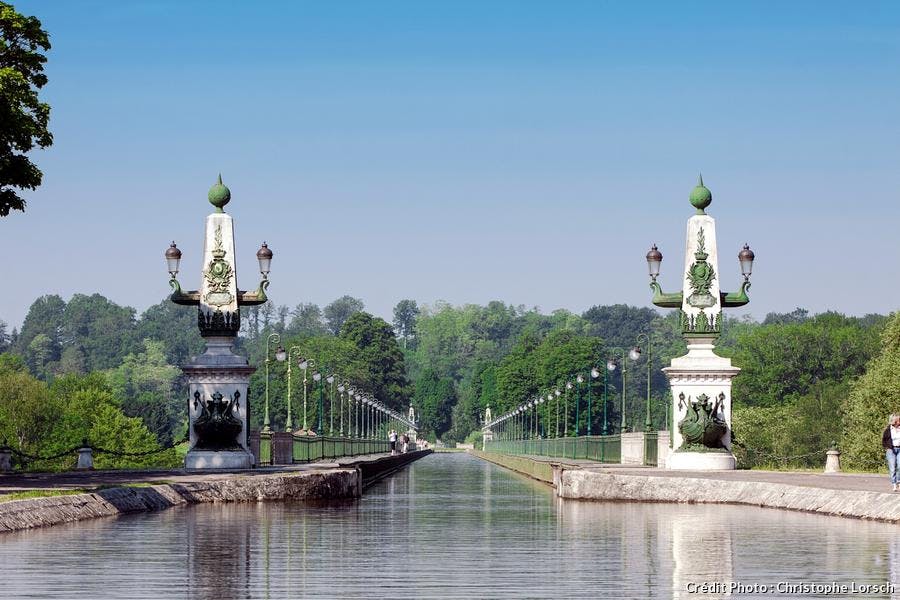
<point>525,420</point>
<point>365,416</point>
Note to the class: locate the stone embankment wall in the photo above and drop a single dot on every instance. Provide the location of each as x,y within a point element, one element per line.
<point>592,485</point>
<point>345,480</point>
<point>536,469</point>
<point>40,512</point>
<point>376,470</point>
<point>574,483</point>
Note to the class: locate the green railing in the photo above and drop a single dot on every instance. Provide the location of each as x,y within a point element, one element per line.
<point>309,448</point>
<point>600,448</point>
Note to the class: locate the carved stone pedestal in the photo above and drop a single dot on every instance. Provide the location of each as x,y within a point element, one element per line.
<point>218,409</point>
<point>700,378</point>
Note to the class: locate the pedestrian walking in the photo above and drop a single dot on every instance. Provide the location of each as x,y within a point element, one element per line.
<point>890,441</point>
<point>393,439</point>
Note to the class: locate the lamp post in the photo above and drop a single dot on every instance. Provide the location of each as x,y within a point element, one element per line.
<point>340,389</point>
<point>594,375</point>
<point>557,392</point>
<point>280,355</point>
<point>317,378</point>
<point>580,379</point>
<point>289,424</point>
<point>330,381</point>
<point>566,412</point>
<point>646,338</point>
<point>611,365</point>
<point>306,364</point>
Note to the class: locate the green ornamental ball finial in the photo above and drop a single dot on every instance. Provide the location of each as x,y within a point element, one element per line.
<point>701,197</point>
<point>219,195</point>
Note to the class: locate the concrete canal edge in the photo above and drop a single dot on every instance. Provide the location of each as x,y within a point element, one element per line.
<point>536,469</point>
<point>575,483</point>
<point>345,481</point>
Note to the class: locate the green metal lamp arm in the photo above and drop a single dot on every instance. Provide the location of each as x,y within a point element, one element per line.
<point>732,300</point>
<point>254,298</point>
<point>191,298</point>
<point>664,300</point>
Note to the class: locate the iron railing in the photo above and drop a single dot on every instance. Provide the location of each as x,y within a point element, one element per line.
<point>600,448</point>
<point>277,448</point>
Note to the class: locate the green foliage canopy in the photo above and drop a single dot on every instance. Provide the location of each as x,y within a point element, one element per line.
<point>24,118</point>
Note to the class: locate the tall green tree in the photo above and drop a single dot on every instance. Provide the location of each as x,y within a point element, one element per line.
<point>782,360</point>
<point>405,314</point>
<point>380,352</point>
<point>337,313</point>
<point>176,327</point>
<point>45,315</point>
<point>872,398</point>
<point>146,384</point>
<point>24,118</point>
<point>104,330</point>
<point>306,320</point>
<point>434,400</point>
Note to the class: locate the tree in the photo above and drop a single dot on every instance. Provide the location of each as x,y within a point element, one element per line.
<point>783,360</point>
<point>104,330</point>
<point>306,320</point>
<point>405,314</point>
<point>5,338</point>
<point>23,117</point>
<point>40,356</point>
<point>45,315</point>
<point>145,383</point>
<point>337,313</point>
<point>434,400</point>
<point>379,351</point>
<point>872,398</point>
<point>27,411</point>
<point>176,327</point>
<point>281,315</point>
<point>798,315</point>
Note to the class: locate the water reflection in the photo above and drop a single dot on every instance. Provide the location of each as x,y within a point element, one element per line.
<point>450,526</point>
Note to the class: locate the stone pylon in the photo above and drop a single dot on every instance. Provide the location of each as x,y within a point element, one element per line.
<point>701,380</point>
<point>218,404</point>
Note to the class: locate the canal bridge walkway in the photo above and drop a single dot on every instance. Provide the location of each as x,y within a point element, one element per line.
<point>856,495</point>
<point>863,482</point>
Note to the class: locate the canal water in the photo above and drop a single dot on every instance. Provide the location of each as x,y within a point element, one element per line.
<point>452,526</point>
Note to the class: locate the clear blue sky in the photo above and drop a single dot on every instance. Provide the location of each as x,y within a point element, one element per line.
<point>467,151</point>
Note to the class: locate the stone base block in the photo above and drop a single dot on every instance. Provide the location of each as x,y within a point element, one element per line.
<point>222,459</point>
<point>702,461</point>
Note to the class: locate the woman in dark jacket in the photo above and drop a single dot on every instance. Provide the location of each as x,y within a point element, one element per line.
<point>890,441</point>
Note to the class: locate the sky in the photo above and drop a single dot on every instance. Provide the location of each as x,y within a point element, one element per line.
<point>529,152</point>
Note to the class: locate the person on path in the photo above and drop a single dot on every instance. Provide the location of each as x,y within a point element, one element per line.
<point>405,439</point>
<point>393,439</point>
<point>890,441</point>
